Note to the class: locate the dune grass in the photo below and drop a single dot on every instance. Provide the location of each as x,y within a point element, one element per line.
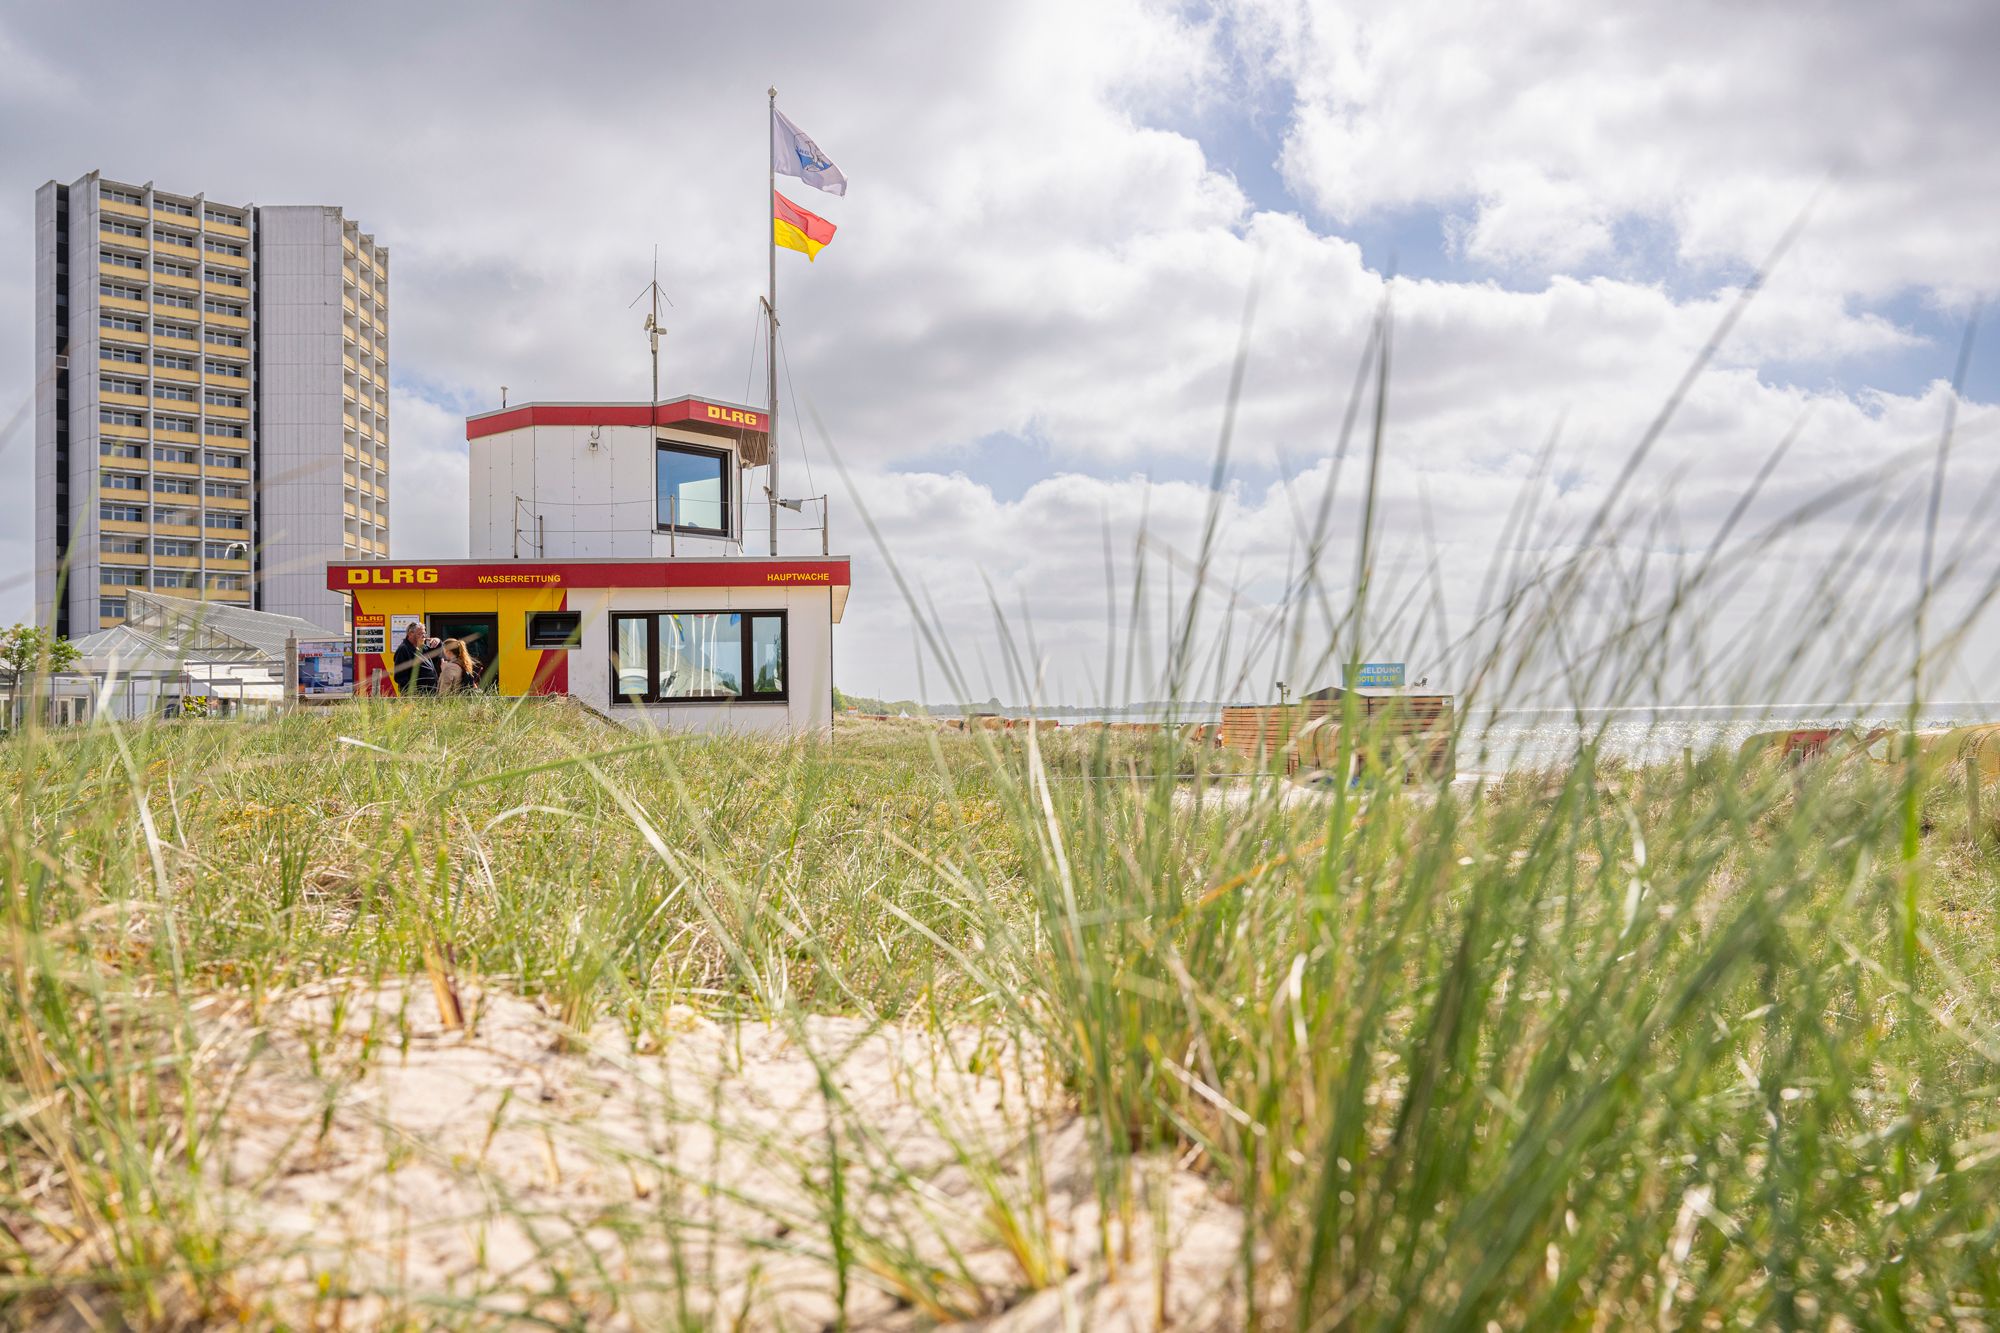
<point>1709,1043</point>
<point>1697,1043</point>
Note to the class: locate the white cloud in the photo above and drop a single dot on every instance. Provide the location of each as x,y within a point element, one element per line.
<point>1553,122</point>
<point>428,506</point>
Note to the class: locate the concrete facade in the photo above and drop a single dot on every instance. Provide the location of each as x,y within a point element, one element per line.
<point>151,406</point>
<point>310,365</point>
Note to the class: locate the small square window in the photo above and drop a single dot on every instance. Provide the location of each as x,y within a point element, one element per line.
<point>555,629</point>
<point>691,488</point>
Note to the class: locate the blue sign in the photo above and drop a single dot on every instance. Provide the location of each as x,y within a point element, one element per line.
<point>1374,676</point>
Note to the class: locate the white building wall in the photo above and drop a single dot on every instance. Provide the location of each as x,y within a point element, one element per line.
<point>300,463</point>
<point>583,491</point>
<point>808,706</point>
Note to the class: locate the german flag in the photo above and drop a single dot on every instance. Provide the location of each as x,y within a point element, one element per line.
<point>796,229</point>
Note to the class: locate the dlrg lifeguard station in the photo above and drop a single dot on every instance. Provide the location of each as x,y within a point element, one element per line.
<point>607,545</point>
<point>607,563</point>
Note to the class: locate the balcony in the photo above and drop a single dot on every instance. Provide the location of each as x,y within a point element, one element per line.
<point>138,529</point>
<point>174,529</point>
<point>225,594</point>
<point>160,340</point>
<point>226,321</point>
<point>124,399</point>
<point>226,566</point>
<point>186,252</point>
<point>174,217</point>
<point>177,562</point>
<point>227,473</point>
<point>123,303</point>
<point>175,436</point>
<point>176,374</point>
<point>131,337</point>
<point>217,257</point>
<point>226,413</point>
<point>161,465</point>
<point>227,290</point>
<point>227,502</point>
<point>228,229</point>
<point>119,431</point>
<point>121,208</point>
<point>177,282</point>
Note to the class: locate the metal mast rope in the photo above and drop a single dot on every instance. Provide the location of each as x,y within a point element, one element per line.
<point>771,336</point>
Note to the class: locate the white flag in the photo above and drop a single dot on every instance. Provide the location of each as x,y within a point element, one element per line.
<point>793,153</point>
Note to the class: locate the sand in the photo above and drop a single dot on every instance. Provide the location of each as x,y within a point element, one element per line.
<point>376,1166</point>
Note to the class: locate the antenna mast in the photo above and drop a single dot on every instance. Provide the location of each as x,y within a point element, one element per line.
<point>652,289</point>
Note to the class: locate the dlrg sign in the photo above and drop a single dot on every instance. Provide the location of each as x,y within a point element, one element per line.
<point>382,578</point>
<point>731,416</point>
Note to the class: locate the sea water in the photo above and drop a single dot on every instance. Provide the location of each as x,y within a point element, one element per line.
<point>1502,739</point>
<point>1497,740</point>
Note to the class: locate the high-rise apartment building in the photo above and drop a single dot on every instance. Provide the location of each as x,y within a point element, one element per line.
<point>211,401</point>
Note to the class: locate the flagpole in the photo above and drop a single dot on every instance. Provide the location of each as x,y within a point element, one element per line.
<point>771,333</point>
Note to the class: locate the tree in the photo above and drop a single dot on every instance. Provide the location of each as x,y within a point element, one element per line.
<point>28,652</point>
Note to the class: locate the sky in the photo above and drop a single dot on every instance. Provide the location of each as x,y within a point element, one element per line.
<point>1068,224</point>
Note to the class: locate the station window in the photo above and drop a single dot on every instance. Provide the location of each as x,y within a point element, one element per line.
<point>555,629</point>
<point>693,656</point>
<point>692,489</point>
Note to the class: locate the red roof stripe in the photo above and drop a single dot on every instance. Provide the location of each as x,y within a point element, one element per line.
<point>441,576</point>
<point>686,411</point>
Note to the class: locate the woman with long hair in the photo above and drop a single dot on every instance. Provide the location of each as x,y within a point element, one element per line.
<point>458,670</point>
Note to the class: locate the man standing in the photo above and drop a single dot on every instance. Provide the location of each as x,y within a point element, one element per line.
<point>416,669</point>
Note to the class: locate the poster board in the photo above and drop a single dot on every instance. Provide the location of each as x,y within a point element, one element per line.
<point>325,669</point>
